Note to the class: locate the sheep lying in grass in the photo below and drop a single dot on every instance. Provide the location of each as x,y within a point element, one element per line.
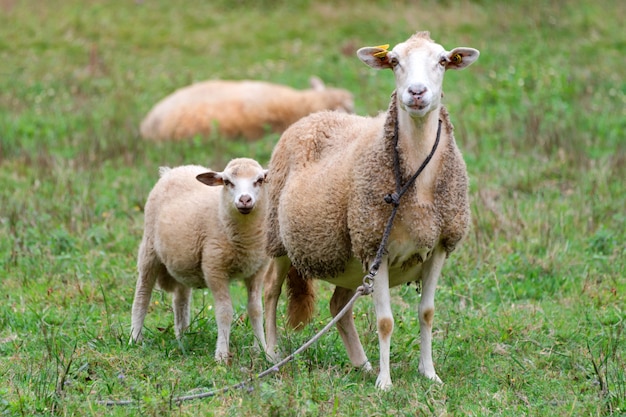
<point>197,236</point>
<point>246,109</point>
<point>327,178</point>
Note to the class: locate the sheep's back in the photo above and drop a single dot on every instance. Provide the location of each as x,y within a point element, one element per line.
<point>237,108</point>
<point>178,215</point>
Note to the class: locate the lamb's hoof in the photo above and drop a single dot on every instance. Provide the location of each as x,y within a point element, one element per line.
<point>273,356</point>
<point>222,358</point>
<point>434,378</point>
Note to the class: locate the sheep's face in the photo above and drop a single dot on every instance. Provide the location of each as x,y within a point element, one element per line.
<point>242,182</point>
<point>419,65</point>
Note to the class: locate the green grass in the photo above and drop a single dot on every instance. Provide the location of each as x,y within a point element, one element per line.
<point>530,309</point>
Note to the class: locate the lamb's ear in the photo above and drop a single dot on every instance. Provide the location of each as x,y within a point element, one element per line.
<point>459,58</point>
<point>210,178</point>
<point>376,57</point>
<point>317,84</point>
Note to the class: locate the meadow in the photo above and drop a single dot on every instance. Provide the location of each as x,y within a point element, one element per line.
<point>531,307</point>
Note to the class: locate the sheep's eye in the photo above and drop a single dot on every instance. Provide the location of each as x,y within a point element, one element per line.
<point>443,61</point>
<point>393,61</point>
<point>258,182</point>
<point>227,183</point>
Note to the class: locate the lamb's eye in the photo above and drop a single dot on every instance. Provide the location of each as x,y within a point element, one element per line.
<point>393,61</point>
<point>227,183</point>
<point>258,182</point>
<point>443,61</point>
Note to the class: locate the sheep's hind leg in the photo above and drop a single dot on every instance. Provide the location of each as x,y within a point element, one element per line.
<point>254,286</point>
<point>149,269</point>
<point>430,275</point>
<point>274,278</point>
<point>182,306</point>
<point>346,328</point>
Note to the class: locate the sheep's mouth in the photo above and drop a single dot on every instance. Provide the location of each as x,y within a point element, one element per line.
<point>245,210</point>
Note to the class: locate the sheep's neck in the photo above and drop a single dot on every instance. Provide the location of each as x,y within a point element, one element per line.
<point>416,138</point>
<point>242,229</point>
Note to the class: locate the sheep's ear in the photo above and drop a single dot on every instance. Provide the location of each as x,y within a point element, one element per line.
<point>317,84</point>
<point>210,178</point>
<point>376,57</point>
<point>459,58</point>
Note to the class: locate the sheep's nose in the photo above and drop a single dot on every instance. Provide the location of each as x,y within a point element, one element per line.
<point>245,199</point>
<point>417,90</point>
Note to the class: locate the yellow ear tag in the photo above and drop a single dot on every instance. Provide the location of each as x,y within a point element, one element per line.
<point>457,59</point>
<point>381,54</point>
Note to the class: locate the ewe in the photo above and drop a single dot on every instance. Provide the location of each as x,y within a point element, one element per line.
<point>246,109</point>
<point>328,176</point>
<point>197,236</point>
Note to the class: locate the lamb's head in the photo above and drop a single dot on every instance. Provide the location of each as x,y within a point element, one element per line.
<point>418,65</point>
<point>242,182</point>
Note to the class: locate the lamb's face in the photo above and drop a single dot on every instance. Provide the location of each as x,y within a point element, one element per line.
<point>419,65</point>
<point>242,183</point>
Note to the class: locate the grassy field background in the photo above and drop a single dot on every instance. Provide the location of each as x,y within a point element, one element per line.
<point>530,309</point>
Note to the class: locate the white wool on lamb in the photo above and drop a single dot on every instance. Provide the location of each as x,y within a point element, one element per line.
<point>204,229</point>
<point>247,109</point>
<point>327,181</point>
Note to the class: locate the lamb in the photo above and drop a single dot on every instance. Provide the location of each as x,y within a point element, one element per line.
<point>196,237</point>
<point>328,176</point>
<point>247,109</point>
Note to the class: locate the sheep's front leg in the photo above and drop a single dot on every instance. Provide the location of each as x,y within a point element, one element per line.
<point>254,286</point>
<point>347,329</point>
<point>430,275</point>
<point>384,323</point>
<point>223,314</point>
<point>274,278</point>
<point>182,309</point>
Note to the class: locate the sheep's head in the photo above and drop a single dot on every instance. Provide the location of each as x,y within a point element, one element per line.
<point>336,99</point>
<point>242,182</point>
<point>419,65</point>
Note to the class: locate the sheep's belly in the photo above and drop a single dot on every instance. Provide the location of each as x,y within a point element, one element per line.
<point>192,278</point>
<point>352,276</point>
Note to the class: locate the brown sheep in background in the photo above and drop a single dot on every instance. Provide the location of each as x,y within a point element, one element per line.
<point>247,109</point>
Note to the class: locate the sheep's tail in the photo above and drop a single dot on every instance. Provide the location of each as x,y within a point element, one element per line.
<point>301,299</point>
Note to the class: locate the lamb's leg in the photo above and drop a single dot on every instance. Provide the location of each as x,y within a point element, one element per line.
<point>149,268</point>
<point>223,314</point>
<point>384,323</point>
<point>182,307</point>
<point>274,279</point>
<point>254,286</point>
<point>430,275</point>
<point>346,328</point>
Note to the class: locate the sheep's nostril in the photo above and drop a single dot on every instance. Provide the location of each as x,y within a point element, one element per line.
<point>246,200</point>
<point>417,90</point>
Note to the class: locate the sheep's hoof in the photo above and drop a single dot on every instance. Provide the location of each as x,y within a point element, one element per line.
<point>383,383</point>
<point>273,356</point>
<point>367,367</point>
<point>434,378</point>
<point>222,358</point>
